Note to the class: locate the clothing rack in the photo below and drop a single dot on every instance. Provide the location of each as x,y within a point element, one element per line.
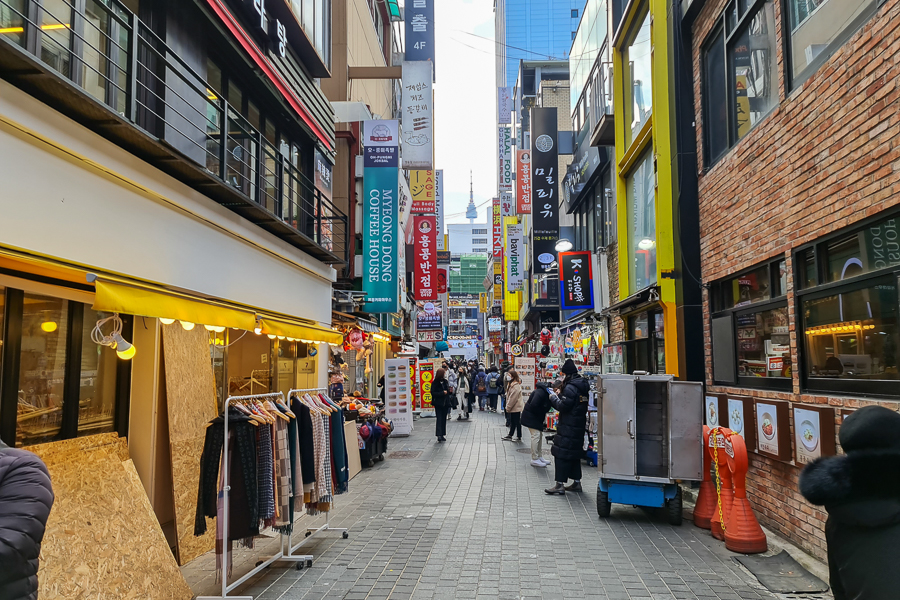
<point>326,527</point>
<point>285,553</point>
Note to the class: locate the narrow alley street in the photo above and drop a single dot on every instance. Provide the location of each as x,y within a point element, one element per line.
<point>469,519</point>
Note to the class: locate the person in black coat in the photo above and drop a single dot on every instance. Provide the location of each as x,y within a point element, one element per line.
<point>568,443</point>
<point>861,492</point>
<point>26,496</point>
<point>533,415</point>
<point>440,400</point>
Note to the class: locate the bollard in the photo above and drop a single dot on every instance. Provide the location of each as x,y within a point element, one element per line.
<point>742,531</point>
<point>716,447</point>
<point>706,498</point>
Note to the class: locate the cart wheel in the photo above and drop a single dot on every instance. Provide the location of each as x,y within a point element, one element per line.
<point>673,507</point>
<point>371,463</point>
<point>345,535</point>
<point>603,504</point>
<point>299,566</point>
<point>381,457</point>
<point>309,563</point>
<point>308,533</point>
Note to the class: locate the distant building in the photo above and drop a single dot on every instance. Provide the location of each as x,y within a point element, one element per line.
<point>469,238</point>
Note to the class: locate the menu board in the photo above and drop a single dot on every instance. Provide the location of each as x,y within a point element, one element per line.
<point>813,432</point>
<point>525,367</point>
<point>427,371</point>
<point>740,419</point>
<point>398,395</point>
<point>773,429</point>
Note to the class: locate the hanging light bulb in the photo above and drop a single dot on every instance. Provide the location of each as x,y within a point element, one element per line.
<point>187,325</point>
<point>166,321</point>
<point>280,337</point>
<point>258,329</point>
<point>124,349</point>
<point>271,336</point>
<point>49,326</point>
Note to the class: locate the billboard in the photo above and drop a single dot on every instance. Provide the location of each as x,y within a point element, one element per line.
<point>545,188</point>
<point>576,284</point>
<point>418,125</point>
<point>439,209</point>
<point>420,30</point>
<point>381,273</point>
<point>425,279</point>
<point>523,182</point>
<point>421,186</point>
<point>505,166</point>
<point>496,229</point>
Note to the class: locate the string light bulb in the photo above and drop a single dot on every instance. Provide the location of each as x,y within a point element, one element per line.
<point>214,328</point>
<point>187,325</point>
<point>49,326</point>
<point>166,321</point>
<point>124,349</point>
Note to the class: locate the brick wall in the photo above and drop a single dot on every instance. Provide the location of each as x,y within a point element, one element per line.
<point>827,156</point>
<point>616,323</point>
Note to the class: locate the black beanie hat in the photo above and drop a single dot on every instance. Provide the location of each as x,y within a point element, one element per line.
<point>569,367</point>
<point>871,428</point>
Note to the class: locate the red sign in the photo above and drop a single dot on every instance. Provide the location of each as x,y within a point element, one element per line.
<point>425,236</point>
<point>523,182</point>
<point>497,221</point>
<point>776,363</point>
<point>442,281</point>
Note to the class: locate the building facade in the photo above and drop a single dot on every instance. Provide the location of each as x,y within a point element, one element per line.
<point>469,238</point>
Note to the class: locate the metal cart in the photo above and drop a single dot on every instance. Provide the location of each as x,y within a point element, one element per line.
<point>650,437</point>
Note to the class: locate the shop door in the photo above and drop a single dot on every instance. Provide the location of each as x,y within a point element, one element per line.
<point>685,430</point>
<point>618,427</point>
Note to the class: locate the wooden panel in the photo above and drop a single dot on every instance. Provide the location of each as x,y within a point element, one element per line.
<point>353,462</point>
<point>191,403</point>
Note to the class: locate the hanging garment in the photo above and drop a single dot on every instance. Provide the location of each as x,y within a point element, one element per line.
<point>243,521</point>
<point>294,450</point>
<point>318,489</point>
<point>265,477</point>
<point>307,447</point>
<point>339,453</point>
<point>282,477</point>
<point>327,493</point>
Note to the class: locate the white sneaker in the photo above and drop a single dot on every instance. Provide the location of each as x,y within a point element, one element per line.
<point>545,461</point>
<point>539,463</point>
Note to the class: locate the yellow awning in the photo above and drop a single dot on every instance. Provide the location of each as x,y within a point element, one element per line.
<point>301,331</point>
<point>148,300</point>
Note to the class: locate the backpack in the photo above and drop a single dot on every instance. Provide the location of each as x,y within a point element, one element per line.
<point>479,385</point>
<point>492,380</point>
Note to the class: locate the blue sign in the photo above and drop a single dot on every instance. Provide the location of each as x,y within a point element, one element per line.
<point>381,280</point>
<point>419,16</point>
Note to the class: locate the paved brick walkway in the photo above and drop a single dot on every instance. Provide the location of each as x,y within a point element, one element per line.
<point>468,519</point>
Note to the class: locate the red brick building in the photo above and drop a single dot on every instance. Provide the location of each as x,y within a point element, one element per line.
<point>798,148</point>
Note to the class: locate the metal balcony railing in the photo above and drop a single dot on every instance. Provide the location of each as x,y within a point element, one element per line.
<point>189,128</point>
<point>601,92</point>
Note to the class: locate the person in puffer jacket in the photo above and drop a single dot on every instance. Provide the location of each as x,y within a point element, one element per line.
<point>26,497</point>
<point>568,443</point>
<point>861,492</point>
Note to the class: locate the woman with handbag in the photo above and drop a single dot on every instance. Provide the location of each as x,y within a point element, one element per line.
<point>440,400</point>
<point>514,405</point>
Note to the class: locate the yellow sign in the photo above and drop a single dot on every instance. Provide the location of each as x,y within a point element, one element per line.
<point>511,300</point>
<point>483,303</point>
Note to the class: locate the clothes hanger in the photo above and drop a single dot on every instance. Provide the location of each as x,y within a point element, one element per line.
<point>274,410</point>
<point>314,404</point>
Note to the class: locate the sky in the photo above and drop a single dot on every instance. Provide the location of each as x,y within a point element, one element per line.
<point>464,113</point>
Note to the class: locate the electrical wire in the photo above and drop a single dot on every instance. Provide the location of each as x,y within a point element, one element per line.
<point>97,335</point>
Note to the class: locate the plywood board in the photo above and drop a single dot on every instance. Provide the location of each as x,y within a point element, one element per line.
<point>191,404</point>
<point>103,541</point>
<point>104,444</point>
<point>353,462</point>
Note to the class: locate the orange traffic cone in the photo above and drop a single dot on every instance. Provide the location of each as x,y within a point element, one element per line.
<point>706,497</point>
<point>722,510</point>
<point>742,531</point>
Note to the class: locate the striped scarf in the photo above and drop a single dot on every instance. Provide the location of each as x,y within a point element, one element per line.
<point>283,477</point>
<point>312,507</point>
<point>326,494</point>
<point>265,476</point>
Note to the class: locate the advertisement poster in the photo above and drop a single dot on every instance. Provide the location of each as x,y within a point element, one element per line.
<point>494,324</point>
<point>429,316</point>
<point>442,280</point>
<point>545,188</point>
<point>736,417</point>
<point>712,411</point>
<point>421,186</point>
<point>515,259</point>
<point>381,274</point>
<point>505,161</point>
<point>439,211</point>
<point>425,278</point>
<point>525,366</point>
<point>523,182</point>
<point>767,427</point>
<point>807,435</point>
<point>426,376</point>
<point>398,395</point>
<point>419,30</point>
<point>576,283</point>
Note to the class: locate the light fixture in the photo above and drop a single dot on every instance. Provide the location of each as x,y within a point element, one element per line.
<point>214,328</point>
<point>271,336</point>
<point>258,329</point>
<point>166,321</point>
<point>49,326</point>
<point>187,325</point>
<point>563,245</point>
<point>646,244</point>
<point>124,349</point>
<point>280,337</point>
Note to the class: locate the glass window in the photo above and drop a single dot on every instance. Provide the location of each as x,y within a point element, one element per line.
<point>97,395</point>
<point>574,13</point>
<point>42,369</point>
<point>818,28</point>
<point>589,233</point>
<point>753,58</point>
<point>715,98</point>
<point>764,347</point>
<point>806,267</point>
<point>12,21</point>
<point>853,334</point>
<point>659,336</point>
<point>639,326</point>
<point>748,288</point>
<point>641,211</point>
<point>56,34</point>
<point>638,81</point>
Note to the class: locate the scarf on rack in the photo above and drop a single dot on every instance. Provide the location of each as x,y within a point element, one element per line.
<point>326,494</point>
<point>307,446</point>
<point>243,521</point>
<point>283,477</point>
<point>339,453</point>
<point>312,506</point>
<point>294,450</point>
<point>265,476</point>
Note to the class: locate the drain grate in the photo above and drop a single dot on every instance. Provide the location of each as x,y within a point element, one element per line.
<point>405,454</point>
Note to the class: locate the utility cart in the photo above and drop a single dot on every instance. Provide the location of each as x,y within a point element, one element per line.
<point>650,437</point>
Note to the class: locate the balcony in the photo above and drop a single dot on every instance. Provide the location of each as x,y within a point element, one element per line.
<point>105,69</point>
<point>603,130</point>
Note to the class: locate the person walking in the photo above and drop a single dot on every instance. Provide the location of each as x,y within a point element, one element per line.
<point>861,492</point>
<point>462,396</point>
<point>514,405</point>
<point>452,384</point>
<point>493,387</point>
<point>568,443</point>
<point>504,381</point>
<point>440,400</point>
<point>26,497</point>
<point>481,388</point>
<point>533,417</point>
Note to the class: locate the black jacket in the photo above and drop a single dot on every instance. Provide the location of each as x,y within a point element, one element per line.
<point>861,492</point>
<point>572,405</point>
<point>536,408</point>
<point>440,393</point>
<point>26,497</point>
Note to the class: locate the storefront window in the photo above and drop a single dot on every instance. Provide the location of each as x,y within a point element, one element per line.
<point>659,336</point>
<point>764,347</point>
<point>97,392</point>
<point>641,211</point>
<point>818,28</point>
<point>639,327</point>
<point>638,80</point>
<point>249,363</point>
<point>42,369</point>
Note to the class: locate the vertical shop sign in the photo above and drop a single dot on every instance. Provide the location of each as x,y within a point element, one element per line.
<point>398,395</point>
<point>525,367</point>
<point>426,258</point>
<point>510,297</point>
<point>417,123</point>
<point>439,207</point>
<point>523,181</point>
<point>421,185</point>
<point>504,105</point>
<point>441,280</point>
<point>483,303</point>
<point>420,30</point>
<point>497,229</point>
<point>515,275</point>
<point>426,377</point>
<point>507,205</point>
<point>504,147</point>
<point>576,284</point>
<point>545,187</point>
<point>381,273</point>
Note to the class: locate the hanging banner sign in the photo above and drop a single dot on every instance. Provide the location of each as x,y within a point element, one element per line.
<point>494,324</point>
<point>417,124</point>
<point>381,274</point>
<point>504,105</point>
<point>483,303</point>
<point>421,185</point>
<point>510,297</point>
<point>425,283</point>
<point>507,205</point>
<point>419,30</point>
<point>576,284</point>
<point>523,182</point>
<point>497,229</point>
<point>504,146</point>
<point>439,208</point>
<point>515,259</point>
<point>545,190</point>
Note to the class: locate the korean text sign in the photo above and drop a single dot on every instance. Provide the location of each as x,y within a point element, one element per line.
<point>380,180</point>
<point>420,30</point>
<point>576,284</point>
<point>421,185</point>
<point>425,271</point>
<point>545,187</point>
<point>523,182</point>
<point>417,123</point>
<point>505,166</point>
